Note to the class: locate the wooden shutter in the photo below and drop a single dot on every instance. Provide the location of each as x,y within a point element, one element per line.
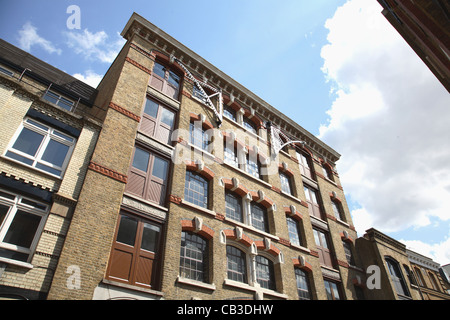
<point>135,262</point>
<point>322,247</point>
<point>144,183</point>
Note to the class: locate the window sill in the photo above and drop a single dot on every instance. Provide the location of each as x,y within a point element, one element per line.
<point>292,197</point>
<point>163,97</point>
<point>131,287</point>
<point>248,287</point>
<point>251,228</point>
<point>304,249</point>
<point>16,263</point>
<point>196,283</point>
<point>203,152</point>
<point>207,211</point>
<point>248,175</point>
<point>49,175</point>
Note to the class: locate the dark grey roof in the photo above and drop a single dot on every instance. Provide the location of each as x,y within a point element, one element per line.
<point>45,73</point>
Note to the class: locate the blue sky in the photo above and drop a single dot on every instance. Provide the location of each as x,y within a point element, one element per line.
<point>336,67</point>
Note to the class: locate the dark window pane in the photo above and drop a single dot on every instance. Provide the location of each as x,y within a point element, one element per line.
<point>141,159</point>
<point>9,254</point>
<point>51,97</point>
<point>28,142</point>
<point>55,153</point>
<point>3,211</point>
<point>160,168</point>
<point>159,70</point>
<point>174,79</point>
<point>150,237</point>
<point>151,108</point>
<point>22,230</point>
<point>48,169</point>
<point>12,155</point>
<point>127,230</point>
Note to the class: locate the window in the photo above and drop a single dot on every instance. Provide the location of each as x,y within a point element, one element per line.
<point>230,154</point>
<point>135,252</point>
<point>265,274</point>
<point>327,172</point>
<point>165,80</point>
<point>293,229</point>
<point>332,290</point>
<point>7,72</point>
<point>313,203</point>
<point>148,176</point>
<point>199,136</point>
<point>302,284</point>
<point>348,253</point>
<point>233,207</point>
<point>419,276</point>
<point>285,183</point>
<point>236,264</point>
<point>193,257</point>
<point>337,210</point>
<point>253,165</point>
<point>196,189</point>
<point>41,147</point>
<point>249,126</point>
<point>259,217</point>
<point>397,277</point>
<point>58,100</point>
<point>433,281</point>
<point>305,165</point>
<point>21,222</point>
<point>157,121</point>
<point>322,244</point>
<point>229,112</point>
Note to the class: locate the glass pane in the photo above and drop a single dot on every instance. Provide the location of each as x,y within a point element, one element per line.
<point>28,142</point>
<point>141,159</point>
<point>174,79</point>
<point>9,254</point>
<point>308,197</point>
<point>150,237</point>
<point>37,124</point>
<point>55,153</point>
<point>11,155</point>
<point>151,108</point>
<point>316,238</point>
<point>159,70</point>
<point>323,239</point>
<point>22,230</point>
<point>127,230</point>
<point>3,211</point>
<point>167,117</point>
<point>160,168</point>
<point>48,169</point>
<point>56,133</point>
<point>66,104</point>
<point>50,96</point>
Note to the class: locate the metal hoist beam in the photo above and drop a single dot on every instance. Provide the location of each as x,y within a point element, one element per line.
<point>200,85</point>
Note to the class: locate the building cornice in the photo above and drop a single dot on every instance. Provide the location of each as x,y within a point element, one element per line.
<point>421,260</point>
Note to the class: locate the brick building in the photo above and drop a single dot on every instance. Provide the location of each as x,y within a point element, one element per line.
<point>180,184</point>
<point>425,25</point>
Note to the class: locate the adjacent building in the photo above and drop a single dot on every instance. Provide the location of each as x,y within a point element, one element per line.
<point>425,25</point>
<point>170,180</point>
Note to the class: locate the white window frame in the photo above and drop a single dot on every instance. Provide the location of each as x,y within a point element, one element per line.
<point>60,100</point>
<point>15,205</point>
<point>49,134</point>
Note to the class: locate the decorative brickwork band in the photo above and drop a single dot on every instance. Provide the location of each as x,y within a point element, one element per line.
<point>124,111</point>
<point>140,66</point>
<point>108,172</point>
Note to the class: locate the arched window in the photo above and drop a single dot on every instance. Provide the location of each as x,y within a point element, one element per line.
<point>166,80</point>
<point>285,183</point>
<point>397,277</point>
<point>337,210</point>
<point>302,284</point>
<point>249,125</point>
<point>196,189</point>
<point>305,165</point>
<point>194,257</point>
<point>265,274</point>
<point>433,281</point>
<point>236,264</point>
<point>294,231</point>
<point>233,206</point>
<point>259,217</point>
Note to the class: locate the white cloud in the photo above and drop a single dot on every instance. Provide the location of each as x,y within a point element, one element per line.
<point>96,46</point>
<point>439,252</point>
<point>29,37</point>
<point>389,120</point>
<point>90,77</point>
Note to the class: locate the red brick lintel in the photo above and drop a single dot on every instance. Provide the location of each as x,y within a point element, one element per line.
<point>108,172</point>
